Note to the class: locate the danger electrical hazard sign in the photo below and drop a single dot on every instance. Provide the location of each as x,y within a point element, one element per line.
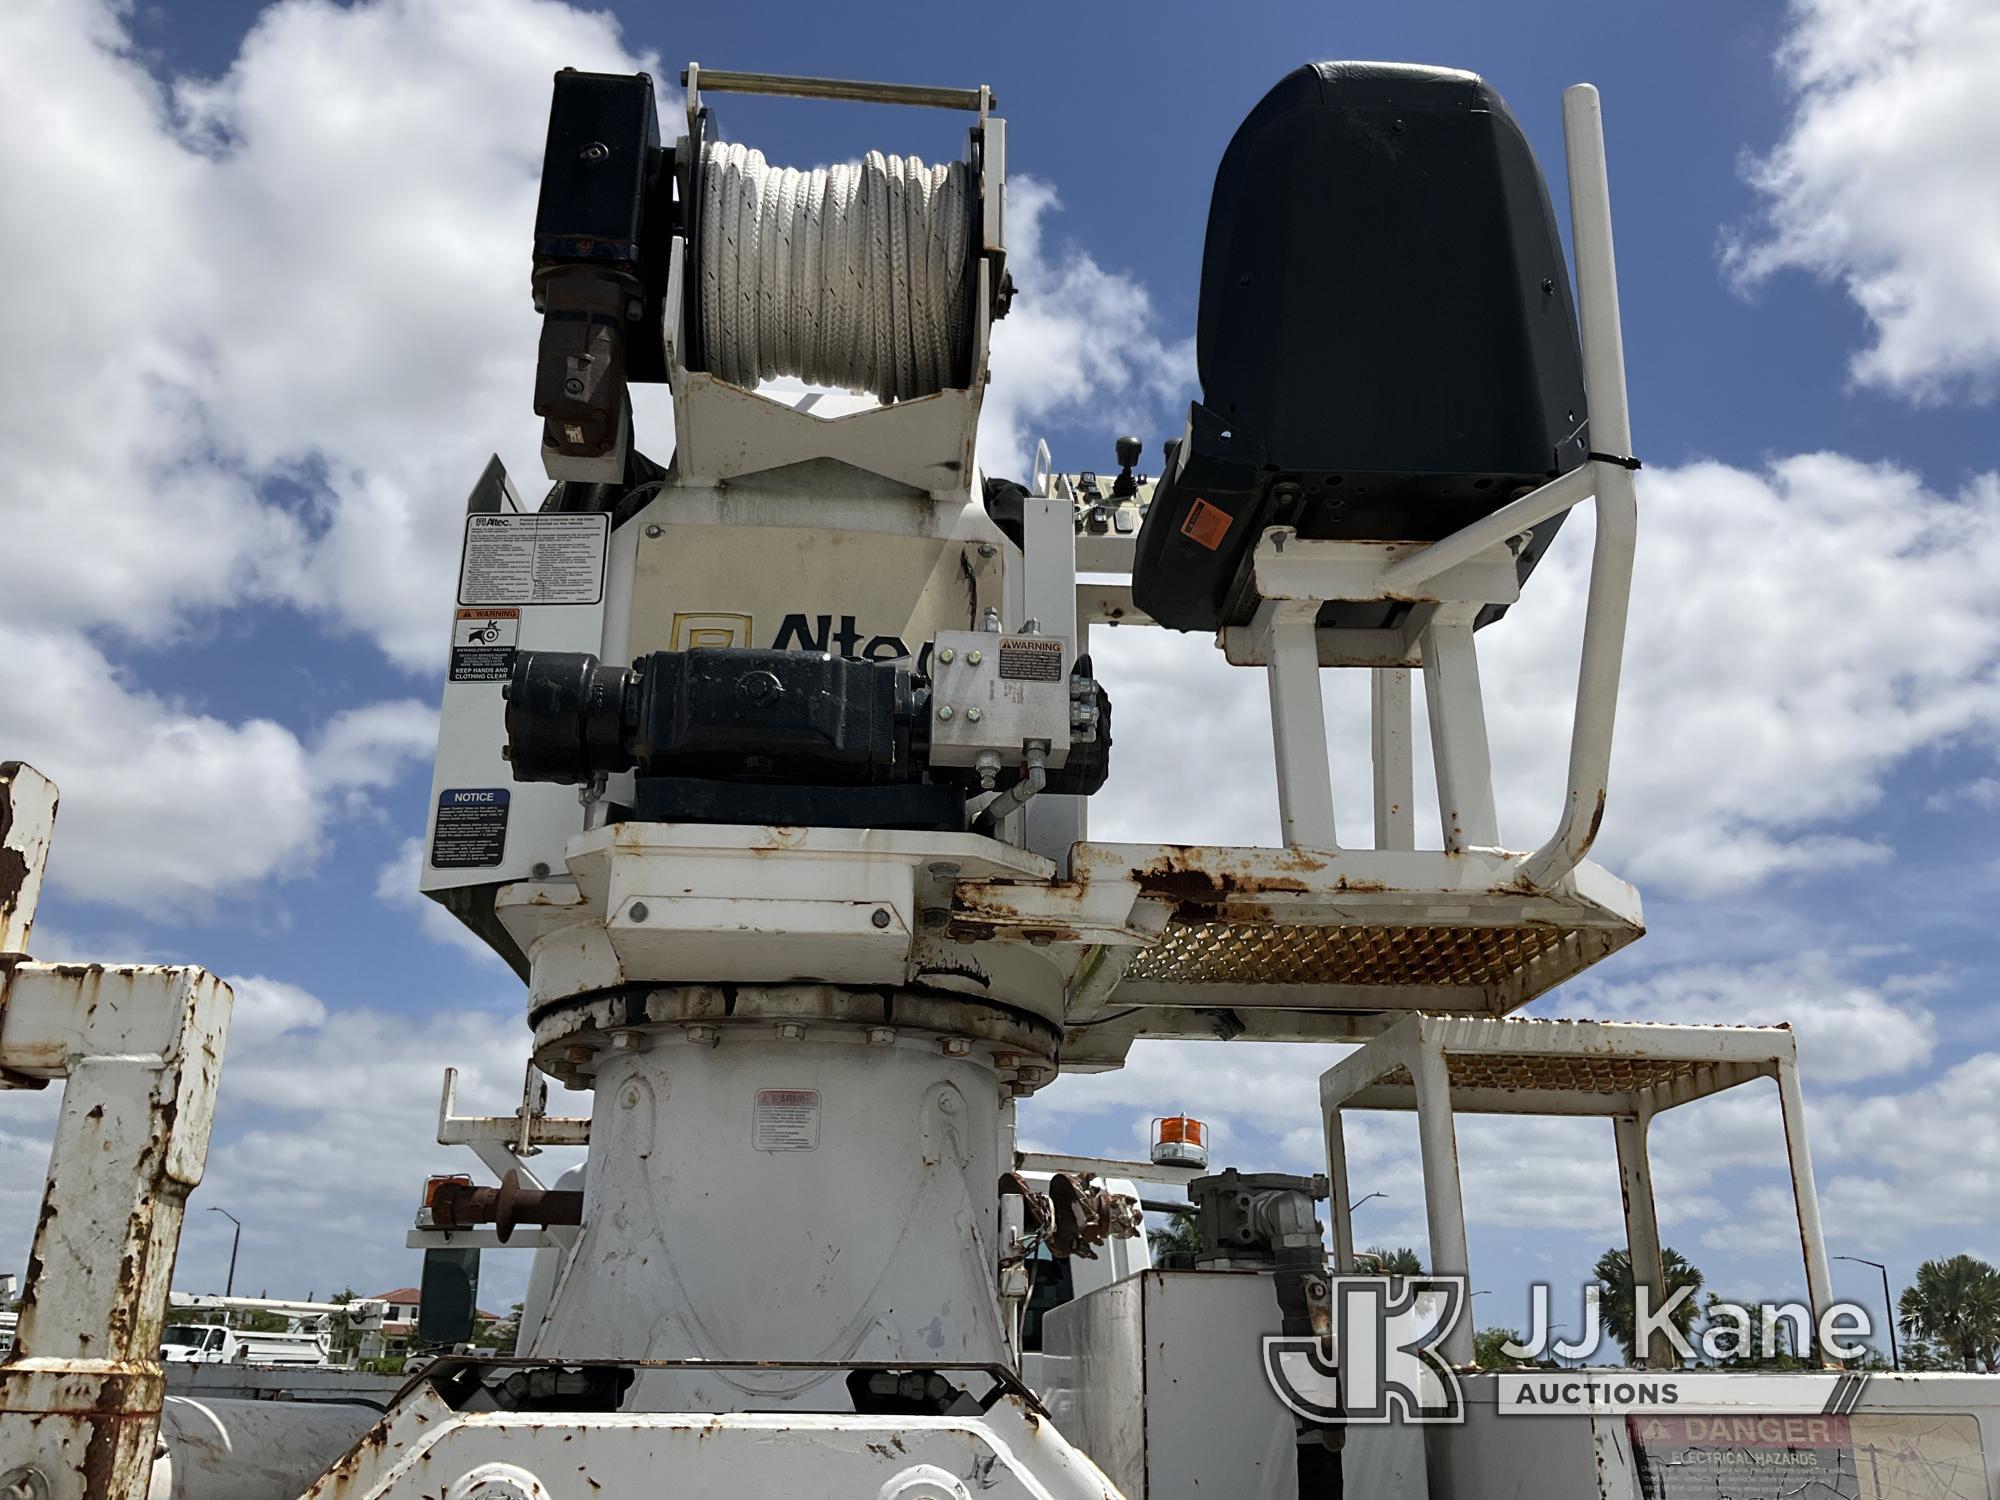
<point>1768,1456</point>
<point>471,830</point>
<point>482,644</point>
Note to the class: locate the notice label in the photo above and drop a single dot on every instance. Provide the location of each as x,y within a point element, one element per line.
<point>533,559</point>
<point>1031,658</point>
<point>482,644</point>
<point>785,1120</point>
<point>471,828</point>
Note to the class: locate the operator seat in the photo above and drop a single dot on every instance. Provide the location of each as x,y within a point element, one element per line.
<point>1386,341</point>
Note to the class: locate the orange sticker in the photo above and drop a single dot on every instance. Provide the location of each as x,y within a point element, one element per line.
<point>1207,524</point>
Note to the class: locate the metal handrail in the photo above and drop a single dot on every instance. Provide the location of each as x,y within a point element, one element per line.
<point>1609,600</point>
<point>1607,481</point>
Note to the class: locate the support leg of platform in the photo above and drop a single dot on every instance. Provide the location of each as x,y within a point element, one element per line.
<point>1819,1278</point>
<point>1298,730</point>
<point>1642,1228</point>
<point>1443,1198</point>
<point>1395,778</point>
<point>1458,730</point>
<point>1340,1203</point>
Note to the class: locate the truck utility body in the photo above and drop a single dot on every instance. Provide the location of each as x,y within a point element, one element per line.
<point>213,1344</point>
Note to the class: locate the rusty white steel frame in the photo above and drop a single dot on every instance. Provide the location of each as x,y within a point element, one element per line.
<point>139,1050</point>
<point>1625,1071</point>
<point>1449,581</point>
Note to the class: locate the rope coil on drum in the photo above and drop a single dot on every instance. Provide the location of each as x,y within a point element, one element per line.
<point>856,277</point>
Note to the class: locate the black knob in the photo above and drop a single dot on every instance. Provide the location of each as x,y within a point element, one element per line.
<point>1129,449</point>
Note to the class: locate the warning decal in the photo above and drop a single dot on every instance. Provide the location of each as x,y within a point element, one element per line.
<point>786,1120</point>
<point>1206,524</point>
<point>482,644</point>
<point>535,559</point>
<point>1765,1456</point>
<point>471,828</point>
<point>1031,658</point>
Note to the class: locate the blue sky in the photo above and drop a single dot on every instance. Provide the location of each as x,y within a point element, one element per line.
<point>289,266</point>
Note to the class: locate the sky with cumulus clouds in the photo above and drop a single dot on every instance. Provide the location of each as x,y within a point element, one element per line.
<point>268,315</point>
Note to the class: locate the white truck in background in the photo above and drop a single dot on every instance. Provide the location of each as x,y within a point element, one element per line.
<point>213,1344</point>
<point>201,1340</point>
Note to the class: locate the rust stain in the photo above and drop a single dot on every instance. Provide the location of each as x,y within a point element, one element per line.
<point>13,875</point>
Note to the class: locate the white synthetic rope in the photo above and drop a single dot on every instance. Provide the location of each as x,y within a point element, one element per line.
<point>852,277</point>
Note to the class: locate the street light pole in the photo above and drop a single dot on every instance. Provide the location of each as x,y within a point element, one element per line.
<point>1895,1354</point>
<point>236,1241</point>
<point>1359,1201</point>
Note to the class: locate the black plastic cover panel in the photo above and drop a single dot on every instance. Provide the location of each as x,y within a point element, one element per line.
<point>1386,340</point>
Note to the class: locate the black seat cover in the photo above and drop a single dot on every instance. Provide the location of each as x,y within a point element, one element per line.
<point>1386,341</point>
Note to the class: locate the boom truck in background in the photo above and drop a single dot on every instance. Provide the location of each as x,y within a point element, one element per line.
<point>200,1333</point>
<point>766,765</point>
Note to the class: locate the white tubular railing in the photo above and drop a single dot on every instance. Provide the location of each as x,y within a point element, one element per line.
<point>1617,497</point>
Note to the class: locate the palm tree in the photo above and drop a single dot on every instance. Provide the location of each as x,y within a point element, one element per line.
<point>1180,1234</point>
<point>1402,1261</point>
<point>1620,1310</point>
<point>1955,1303</point>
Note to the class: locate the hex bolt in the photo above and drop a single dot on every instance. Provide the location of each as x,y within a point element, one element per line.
<point>880,916</point>
<point>942,868</point>
<point>936,916</point>
<point>881,1036</point>
<point>956,1046</point>
<point>973,716</point>
<point>945,653</point>
<point>637,911</point>
<point>944,710</point>
<point>702,1036</point>
<point>655,531</point>
<point>577,1056</point>
<point>1033,1074</point>
<point>791,1031</point>
<point>628,1041</point>
<point>986,549</point>
<point>975,657</point>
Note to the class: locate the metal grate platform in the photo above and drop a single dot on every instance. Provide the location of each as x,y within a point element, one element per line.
<point>1289,953</point>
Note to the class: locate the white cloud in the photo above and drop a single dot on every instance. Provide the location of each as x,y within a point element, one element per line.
<point>266,1009</point>
<point>311,270</point>
<point>396,885</point>
<point>1983,793</point>
<point>1079,340</point>
<point>1933,1152</point>
<point>1847,1028</point>
<point>164,808</point>
<point>1885,184</point>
